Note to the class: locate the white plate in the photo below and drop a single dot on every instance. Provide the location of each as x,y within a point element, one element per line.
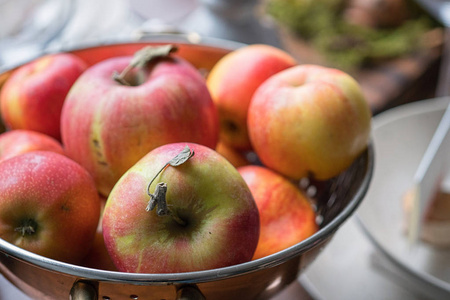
<point>401,136</point>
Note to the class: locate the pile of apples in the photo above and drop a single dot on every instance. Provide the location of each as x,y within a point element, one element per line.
<point>141,164</point>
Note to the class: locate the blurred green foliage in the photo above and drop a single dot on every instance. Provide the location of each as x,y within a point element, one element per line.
<point>345,45</point>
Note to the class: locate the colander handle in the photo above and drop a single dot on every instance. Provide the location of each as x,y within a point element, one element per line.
<point>189,292</point>
<point>83,290</point>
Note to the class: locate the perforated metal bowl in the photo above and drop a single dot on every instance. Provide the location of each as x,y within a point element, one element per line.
<point>337,199</point>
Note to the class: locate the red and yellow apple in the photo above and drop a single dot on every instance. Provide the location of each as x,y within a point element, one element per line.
<point>98,256</point>
<point>212,221</point>
<point>309,121</point>
<point>32,98</point>
<point>19,141</point>
<point>235,157</point>
<point>232,82</point>
<point>286,214</point>
<point>107,126</point>
<point>49,205</point>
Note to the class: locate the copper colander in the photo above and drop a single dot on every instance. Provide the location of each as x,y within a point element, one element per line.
<point>336,200</point>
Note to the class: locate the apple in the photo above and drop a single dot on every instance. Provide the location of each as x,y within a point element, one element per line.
<point>107,125</point>
<point>309,121</point>
<point>235,157</point>
<point>19,141</point>
<point>232,82</point>
<point>33,96</point>
<point>98,256</point>
<point>205,214</point>
<point>286,214</point>
<point>49,205</point>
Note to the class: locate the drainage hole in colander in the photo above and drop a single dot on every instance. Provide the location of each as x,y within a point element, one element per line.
<point>134,297</point>
<point>311,191</point>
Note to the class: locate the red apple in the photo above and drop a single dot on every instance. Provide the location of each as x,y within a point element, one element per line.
<point>286,214</point>
<point>235,157</point>
<point>309,120</point>
<point>232,82</point>
<point>108,126</point>
<point>33,96</point>
<point>19,141</point>
<point>211,218</point>
<point>49,205</point>
<point>98,256</point>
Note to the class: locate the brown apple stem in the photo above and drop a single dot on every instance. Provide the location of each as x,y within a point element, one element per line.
<point>141,58</point>
<point>158,199</point>
<point>180,158</point>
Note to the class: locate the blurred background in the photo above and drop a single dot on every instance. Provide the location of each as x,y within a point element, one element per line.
<point>394,48</point>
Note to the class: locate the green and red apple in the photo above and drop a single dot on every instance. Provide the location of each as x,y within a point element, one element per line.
<point>232,82</point>
<point>49,205</point>
<point>309,121</point>
<point>205,216</point>
<point>108,124</point>
<point>33,96</point>
<point>286,214</point>
<point>19,141</point>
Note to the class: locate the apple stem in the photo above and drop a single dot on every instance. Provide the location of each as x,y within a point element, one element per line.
<point>141,58</point>
<point>159,199</point>
<point>27,228</point>
<point>120,78</point>
<point>179,159</point>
